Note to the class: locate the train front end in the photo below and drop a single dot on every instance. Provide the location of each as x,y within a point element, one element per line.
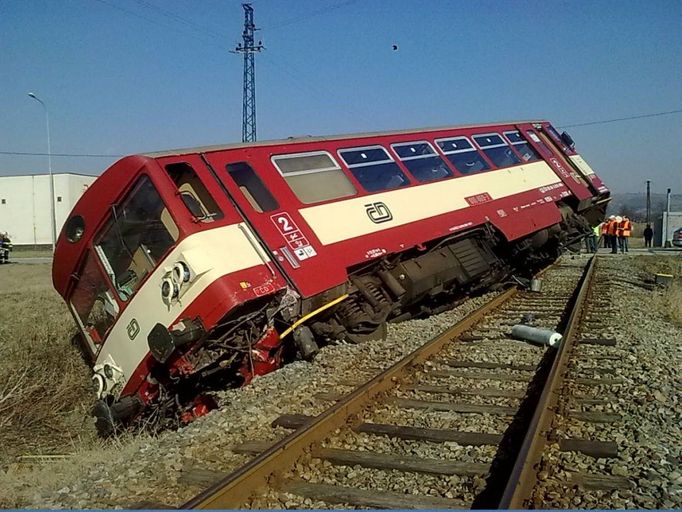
<point>151,274</point>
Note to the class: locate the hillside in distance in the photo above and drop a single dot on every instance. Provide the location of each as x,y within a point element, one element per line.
<point>633,204</point>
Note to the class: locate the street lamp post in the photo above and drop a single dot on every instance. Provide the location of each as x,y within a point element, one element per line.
<point>53,220</point>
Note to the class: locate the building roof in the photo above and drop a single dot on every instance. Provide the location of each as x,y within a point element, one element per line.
<point>30,174</point>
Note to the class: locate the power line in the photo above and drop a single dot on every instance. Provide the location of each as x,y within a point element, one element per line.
<point>97,155</point>
<point>195,33</point>
<point>184,21</point>
<point>287,68</point>
<point>197,28</point>
<point>317,12</point>
<point>642,116</point>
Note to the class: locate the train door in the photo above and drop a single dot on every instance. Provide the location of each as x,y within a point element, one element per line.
<point>554,155</point>
<point>214,219</point>
<point>268,206</point>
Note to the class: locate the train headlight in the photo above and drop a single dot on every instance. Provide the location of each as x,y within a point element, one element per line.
<point>74,228</point>
<point>181,273</point>
<point>107,378</point>
<point>99,384</point>
<point>169,290</point>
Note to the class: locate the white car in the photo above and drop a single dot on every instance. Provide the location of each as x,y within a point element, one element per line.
<point>677,237</point>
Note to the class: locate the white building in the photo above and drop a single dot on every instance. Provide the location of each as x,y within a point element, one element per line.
<point>672,224</point>
<point>25,205</point>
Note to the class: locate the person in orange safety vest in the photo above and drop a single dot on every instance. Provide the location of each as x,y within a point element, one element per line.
<point>625,233</point>
<point>612,231</point>
<point>605,233</point>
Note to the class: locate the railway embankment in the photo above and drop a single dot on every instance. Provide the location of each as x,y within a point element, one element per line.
<point>140,468</point>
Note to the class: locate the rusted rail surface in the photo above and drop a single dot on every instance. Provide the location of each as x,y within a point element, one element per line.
<point>523,477</point>
<point>235,489</point>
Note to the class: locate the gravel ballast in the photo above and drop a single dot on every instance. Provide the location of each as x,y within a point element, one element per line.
<point>143,469</point>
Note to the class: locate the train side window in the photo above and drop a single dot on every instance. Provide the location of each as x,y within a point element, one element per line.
<point>255,192</point>
<point>463,155</point>
<point>314,176</point>
<point>494,146</point>
<point>422,160</point>
<point>194,192</point>
<point>528,154</point>
<point>374,168</point>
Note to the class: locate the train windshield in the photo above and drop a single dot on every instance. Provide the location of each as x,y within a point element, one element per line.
<point>93,303</point>
<point>139,233</point>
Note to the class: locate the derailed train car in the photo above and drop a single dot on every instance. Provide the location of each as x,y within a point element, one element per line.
<point>198,269</point>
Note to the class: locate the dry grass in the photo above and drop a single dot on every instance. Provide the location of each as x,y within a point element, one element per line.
<point>45,393</point>
<point>45,390</point>
<point>670,300</point>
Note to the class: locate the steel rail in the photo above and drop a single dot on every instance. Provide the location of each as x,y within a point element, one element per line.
<point>523,477</point>
<point>237,487</point>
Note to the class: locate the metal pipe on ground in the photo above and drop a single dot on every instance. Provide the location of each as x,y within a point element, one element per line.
<point>535,335</point>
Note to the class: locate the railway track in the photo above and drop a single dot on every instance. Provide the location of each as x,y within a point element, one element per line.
<point>461,422</point>
<point>583,386</point>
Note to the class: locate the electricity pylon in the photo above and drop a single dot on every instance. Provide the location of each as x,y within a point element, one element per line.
<point>249,48</point>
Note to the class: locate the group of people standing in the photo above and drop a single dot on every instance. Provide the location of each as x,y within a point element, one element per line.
<point>616,231</point>
<point>5,247</point>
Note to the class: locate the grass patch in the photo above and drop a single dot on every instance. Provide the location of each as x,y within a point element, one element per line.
<point>45,391</point>
<point>30,251</point>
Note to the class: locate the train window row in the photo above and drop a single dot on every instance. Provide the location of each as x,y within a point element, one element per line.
<point>422,161</point>
<point>316,176</point>
<point>528,154</point>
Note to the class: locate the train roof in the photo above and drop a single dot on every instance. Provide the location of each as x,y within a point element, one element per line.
<point>322,138</point>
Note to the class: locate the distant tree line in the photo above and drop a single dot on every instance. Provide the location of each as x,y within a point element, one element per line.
<point>633,206</point>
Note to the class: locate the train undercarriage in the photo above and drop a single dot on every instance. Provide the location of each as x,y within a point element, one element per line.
<point>263,335</point>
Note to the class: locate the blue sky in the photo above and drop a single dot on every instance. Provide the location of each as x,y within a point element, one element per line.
<point>127,76</point>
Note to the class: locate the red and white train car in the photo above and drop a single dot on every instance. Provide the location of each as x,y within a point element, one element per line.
<point>193,269</point>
